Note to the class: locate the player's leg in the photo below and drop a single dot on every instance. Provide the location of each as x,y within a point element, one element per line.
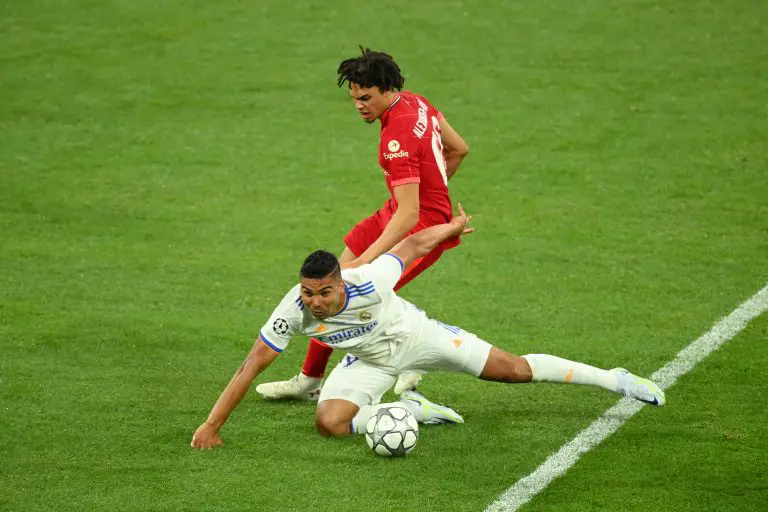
<point>446,347</point>
<point>352,386</point>
<point>333,417</point>
<point>505,367</point>
<point>352,393</point>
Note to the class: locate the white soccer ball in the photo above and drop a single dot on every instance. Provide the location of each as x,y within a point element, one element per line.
<point>392,431</point>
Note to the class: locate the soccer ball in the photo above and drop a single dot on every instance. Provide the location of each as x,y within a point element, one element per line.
<point>392,431</point>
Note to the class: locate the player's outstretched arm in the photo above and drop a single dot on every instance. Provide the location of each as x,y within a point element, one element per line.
<point>454,147</point>
<point>421,243</point>
<point>260,356</point>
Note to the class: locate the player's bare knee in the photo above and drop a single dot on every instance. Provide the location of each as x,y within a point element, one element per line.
<point>323,428</point>
<point>327,425</point>
<point>516,369</point>
<point>505,367</point>
<point>331,420</point>
<point>522,372</point>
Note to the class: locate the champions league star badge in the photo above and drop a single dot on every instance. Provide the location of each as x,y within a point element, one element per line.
<point>364,316</point>
<point>280,326</point>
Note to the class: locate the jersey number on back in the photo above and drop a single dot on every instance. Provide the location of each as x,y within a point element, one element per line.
<point>437,149</point>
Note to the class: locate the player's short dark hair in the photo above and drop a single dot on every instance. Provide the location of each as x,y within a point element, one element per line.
<point>320,264</point>
<point>371,69</point>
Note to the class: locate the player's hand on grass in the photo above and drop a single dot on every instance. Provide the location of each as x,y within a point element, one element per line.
<point>460,222</point>
<point>206,436</point>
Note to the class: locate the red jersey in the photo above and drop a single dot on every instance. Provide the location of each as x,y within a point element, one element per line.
<point>411,151</point>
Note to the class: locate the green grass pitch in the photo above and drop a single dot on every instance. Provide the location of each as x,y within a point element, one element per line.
<point>166,165</point>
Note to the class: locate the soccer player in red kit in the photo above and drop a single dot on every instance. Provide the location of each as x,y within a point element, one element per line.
<point>418,152</point>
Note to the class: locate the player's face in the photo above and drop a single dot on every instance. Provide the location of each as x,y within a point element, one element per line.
<point>370,102</point>
<point>322,296</point>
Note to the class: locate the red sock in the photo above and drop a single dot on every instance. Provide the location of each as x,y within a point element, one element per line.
<point>317,358</point>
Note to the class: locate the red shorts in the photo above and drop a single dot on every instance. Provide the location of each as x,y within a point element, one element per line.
<point>368,230</point>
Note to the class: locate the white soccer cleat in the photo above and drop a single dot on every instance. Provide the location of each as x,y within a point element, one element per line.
<point>299,387</point>
<point>405,381</point>
<point>639,388</point>
<point>428,412</point>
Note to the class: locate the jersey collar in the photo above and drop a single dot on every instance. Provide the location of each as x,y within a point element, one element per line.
<point>385,115</point>
<point>346,300</point>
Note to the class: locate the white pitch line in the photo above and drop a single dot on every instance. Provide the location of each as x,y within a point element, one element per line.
<point>612,419</point>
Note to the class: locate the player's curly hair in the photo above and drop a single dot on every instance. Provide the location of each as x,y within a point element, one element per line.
<point>371,69</point>
<point>320,264</point>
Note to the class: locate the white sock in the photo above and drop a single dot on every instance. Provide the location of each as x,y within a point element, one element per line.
<point>362,417</point>
<point>308,382</point>
<point>549,368</point>
<point>366,411</point>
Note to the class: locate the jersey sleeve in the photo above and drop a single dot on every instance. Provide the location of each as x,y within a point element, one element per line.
<point>403,150</point>
<point>285,322</point>
<point>385,271</point>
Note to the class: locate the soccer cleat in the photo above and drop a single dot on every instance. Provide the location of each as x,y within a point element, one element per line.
<point>406,380</point>
<point>428,412</point>
<point>299,387</point>
<point>639,388</point>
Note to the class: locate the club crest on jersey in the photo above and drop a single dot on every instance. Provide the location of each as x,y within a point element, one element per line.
<point>364,316</point>
<point>393,146</point>
<point>348,334</point>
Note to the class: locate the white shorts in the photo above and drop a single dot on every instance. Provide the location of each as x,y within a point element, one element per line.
<point>436,347</point>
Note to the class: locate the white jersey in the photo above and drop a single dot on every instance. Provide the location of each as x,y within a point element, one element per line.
<point>373,323</point>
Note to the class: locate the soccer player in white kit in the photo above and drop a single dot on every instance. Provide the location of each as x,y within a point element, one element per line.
<point>384,335</point>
